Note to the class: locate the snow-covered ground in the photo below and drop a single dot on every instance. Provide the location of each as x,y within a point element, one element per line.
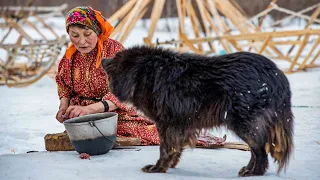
<point>27,114</point>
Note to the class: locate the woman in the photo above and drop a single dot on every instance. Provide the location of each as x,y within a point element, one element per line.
<point>83,84</point>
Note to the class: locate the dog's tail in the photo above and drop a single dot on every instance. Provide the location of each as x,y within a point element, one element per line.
<point>280,142</point>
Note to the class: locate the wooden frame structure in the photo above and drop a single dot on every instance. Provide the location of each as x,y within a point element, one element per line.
<point>212,22</point>
<point>29,58</point>
<point>209,26</point>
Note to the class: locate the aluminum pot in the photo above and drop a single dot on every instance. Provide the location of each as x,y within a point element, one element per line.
<point>93,134</point>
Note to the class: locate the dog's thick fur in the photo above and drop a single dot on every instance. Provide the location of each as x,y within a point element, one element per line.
<point>185,93</point>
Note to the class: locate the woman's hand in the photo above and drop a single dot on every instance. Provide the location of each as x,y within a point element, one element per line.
<point>60,114</point>
<point>75,111</point>
<point>64,103</point>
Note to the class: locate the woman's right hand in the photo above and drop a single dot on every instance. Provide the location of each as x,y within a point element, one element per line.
<point>64,103</point>
<point>60,114</point>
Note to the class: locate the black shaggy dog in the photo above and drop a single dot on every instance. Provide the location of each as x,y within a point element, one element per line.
<point>185,93</point>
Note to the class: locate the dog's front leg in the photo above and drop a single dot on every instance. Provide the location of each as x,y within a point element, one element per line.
<point>162,165</point>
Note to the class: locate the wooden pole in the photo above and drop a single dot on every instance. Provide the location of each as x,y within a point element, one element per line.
<point>134,16</point>
<point>264,45</point>
<point>122,11</point>
<point>194,22</point>
<point>303,44</point>
<point>155,15</point>
<point>315,44</point>
<point>131,16</point>
<point>219,22</point>
<point>203,19</point>
<point>315,58</point>
<point>312,18</point>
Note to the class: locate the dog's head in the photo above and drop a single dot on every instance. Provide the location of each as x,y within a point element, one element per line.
<point>120,84</point>
<point>141,67</point>
<point>124,69</point>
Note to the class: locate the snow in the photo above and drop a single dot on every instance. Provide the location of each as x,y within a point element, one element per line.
<point>27,114</point>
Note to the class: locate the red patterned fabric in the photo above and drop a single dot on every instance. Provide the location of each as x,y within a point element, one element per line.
<point>79,80</point>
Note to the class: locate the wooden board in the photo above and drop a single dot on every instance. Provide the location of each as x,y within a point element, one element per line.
<point>61,142</point>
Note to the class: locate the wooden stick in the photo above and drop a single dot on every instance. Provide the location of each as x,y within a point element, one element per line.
<point>219,22</point>
<point>315,44</point>
<point>155,15</point>
<point>314,58</point>
<point>189,44</point>
<point>194,22</point>
<point>299,12</point>
<point>239,8</point>
<point>138,15</point>
<point>17,27</point>
<point>313,16</point>
<point>35,28</point>
<point>41,71</point>
<point>264,16</point>
<point>294,61</point>
<point>122,11</point>
<point>264,45</point>
<point>181,14</point>
<point>284,42</point>
<point>251,36</point>
<point>203,19</point>
<point>134,13</point>
<point>6,35</point>
<point>118,28</point>
<point>293,13</point>
<point>46,25</point>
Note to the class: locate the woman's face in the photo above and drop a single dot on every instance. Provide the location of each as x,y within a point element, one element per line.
<point>85,39</point>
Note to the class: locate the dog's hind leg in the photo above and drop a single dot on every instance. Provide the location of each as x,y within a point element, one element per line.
<point>170,151</point>
<point>258,163</point>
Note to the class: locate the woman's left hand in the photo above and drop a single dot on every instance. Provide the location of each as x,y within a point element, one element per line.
<point>75,111</point>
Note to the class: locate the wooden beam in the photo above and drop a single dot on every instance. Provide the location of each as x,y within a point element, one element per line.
<point>189,44</point>
<point>46,25</point>
<point>264,45</point>
<point>181,14</point>
<point>220,24</point>
<point>312,18</point>
<point>315,44</point>
<point>202,10</point>
<point>194,22</point>
<point>134,17</point>
<point>299,12</point>
<point>250,36</point>
<point>134,13</point>
<point>122,11</point>
<point>294,61</point>
<point>155,15</point>
<point>315,58</point>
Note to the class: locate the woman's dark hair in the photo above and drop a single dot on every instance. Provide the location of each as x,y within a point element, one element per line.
<point>77,25</point>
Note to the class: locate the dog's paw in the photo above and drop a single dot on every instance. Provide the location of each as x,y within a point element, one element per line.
<point>245,172</point>
<point>153,169</point>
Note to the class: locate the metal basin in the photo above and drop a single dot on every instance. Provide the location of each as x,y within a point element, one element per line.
<point>93,134</point>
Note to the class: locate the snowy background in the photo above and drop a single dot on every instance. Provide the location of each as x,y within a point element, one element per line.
<point>28,114</point>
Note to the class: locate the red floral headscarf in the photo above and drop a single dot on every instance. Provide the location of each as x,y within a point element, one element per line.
<point>93,20</point>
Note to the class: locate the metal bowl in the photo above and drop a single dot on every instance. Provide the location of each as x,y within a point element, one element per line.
<point>93,134</point>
